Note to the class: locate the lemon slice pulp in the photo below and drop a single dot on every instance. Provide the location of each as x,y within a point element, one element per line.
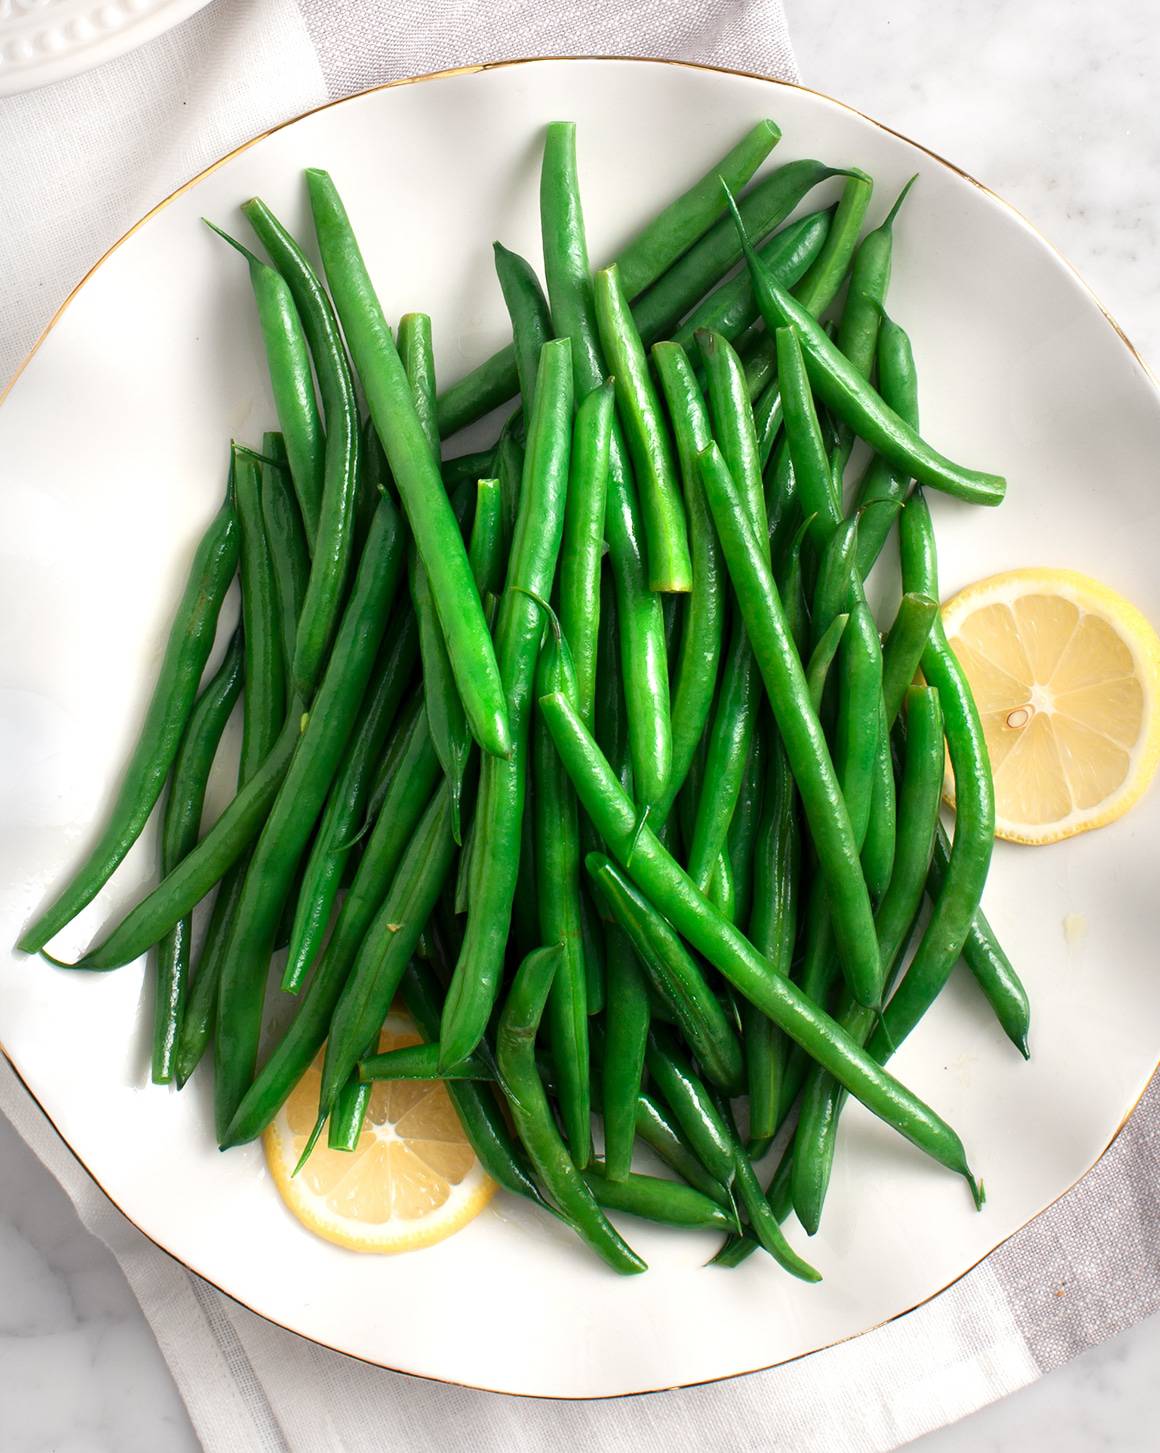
<point>1066,676</point>
<point>412,1179</point>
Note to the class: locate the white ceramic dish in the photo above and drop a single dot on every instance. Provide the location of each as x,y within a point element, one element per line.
<point>46,40</point>
<point>113,444</point>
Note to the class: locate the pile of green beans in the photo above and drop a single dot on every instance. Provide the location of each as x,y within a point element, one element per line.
<point>585,743</point>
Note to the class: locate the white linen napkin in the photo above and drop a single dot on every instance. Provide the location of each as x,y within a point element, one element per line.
<point>84,159</point>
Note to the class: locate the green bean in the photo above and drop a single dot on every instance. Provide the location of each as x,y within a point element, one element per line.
<point>693,1107</point>
<point>420,1062</point>
<point>334,535</point>
<point>291,381</point>
<point>731,732</point>
<point>700,651</point>
<point>820,285</point>
<point>179,827</point>
<point>295,812</point>
<point>264,704</point>
<point>415,471</point>
<point>643,656</point>
<point>733,427</point>
<point>765,206</point>
<point>467,468</point>
<point>858,327</point>
<point>730,309</point>
<point>878,846</point>
<point>661,879</point>
<point>445,711</point>
<point>884,481</point>
<point>349,1114</point>
<point>412,779</point>
<point>772,931</point>
<point>903,649</point>
<point>286,540</point>
<point>791,589</point>
<point>583,542</point>
<point>655,1199</point>
<point>531,319</point>
<point>626,1027</point>
<point>763,1223</point>
<point>660,243</point>
<point>737,1249</point>
<point>768,416</point>
<point>500,807</point>
<point>807,448</point>
<point>983,954</point>
<point>815,1138</point>
<point>658,1132</point>
<point>190,641</point>
<point>520,1079</point>
<point>674,975</point>
<point>859,715</point>
<point>797,721</point>
<point>383,955</point>
<point>638,407</point>
<point>741,844</point>
<point>835,589</point>
<point>557,848</point>
<point>729,742</point>
<point>478,1110</point>
<point>509,467</point>
<point>958,902</point>
<point>842,388</point>
<point>330,851</point>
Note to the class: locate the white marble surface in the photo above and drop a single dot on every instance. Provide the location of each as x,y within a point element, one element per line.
<point>1049,103</point>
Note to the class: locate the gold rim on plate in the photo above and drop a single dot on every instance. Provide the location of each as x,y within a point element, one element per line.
<point>471,70</point>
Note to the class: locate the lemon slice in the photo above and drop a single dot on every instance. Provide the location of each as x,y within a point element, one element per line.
<point>1066,675</point>
<point>411,1180</point>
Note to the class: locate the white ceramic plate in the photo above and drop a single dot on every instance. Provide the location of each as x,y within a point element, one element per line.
<point>113,444</point>
<point>46,40</point>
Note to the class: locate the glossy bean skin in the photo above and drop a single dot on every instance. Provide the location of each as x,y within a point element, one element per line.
<point>190,641</point>
<point>655,1199</point>
<point>264,703</point>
